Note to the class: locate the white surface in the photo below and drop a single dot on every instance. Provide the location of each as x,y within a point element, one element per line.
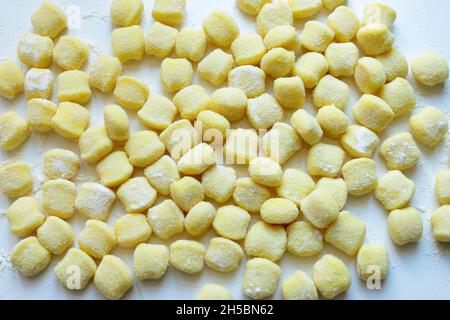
<point>419,271</point>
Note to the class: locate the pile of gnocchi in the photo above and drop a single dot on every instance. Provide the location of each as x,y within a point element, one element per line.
<point>293,210</point>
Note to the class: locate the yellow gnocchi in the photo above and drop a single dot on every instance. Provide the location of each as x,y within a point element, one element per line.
<point>260,278</point>
<point>150,261</point>
<point>61,164</point>
<point>373,112</point>
<point>295,185</point>
<point>113,278</point>
<point>266,241</point>
<point>70,53</point>
<point>175,74</point>
<point>248,49</point>
<point>199,219</point>
<point>49,20</point>
<point>55,235</point>
<point>273,14</point>
<point>131,93</point>
<point>114,169</point>
<point>440,223</point>
<point>399,95</point>
<point>58,198</point>
<point>290,92</point>
<point>73,85</point>
<point>302,9</point>
<point>250,79</point>
<point>251,6</point>
<point>299,286</point>
<point>15,179</point>
<point>342,59</point>
<point>215,67</point>
<point>187,192</point>
<point>264,111</point>
<point>369,75</point>
<point>95,144</point>
<point>24,216</point>
<point>162,173</point>
<point>430,68</point>
<point>14,130</point>
<point>347,233</point>
<point>35,51</point>
<point>190,101</point>
<point>284,36</point>
<point>187,256</point>
<point>166,219</point>
<point>241,146</point>
<point>331,276</point>
<point>316,36</point>
<point>231,222</point>
<point>197,160</point>
<point>331,91</point>
<point>136,195</point>
<point>128,43</point>
<point>249,195</point>
<point>11,79</point>
<point>375,39</point>
<point>320,208</point>
<point>230,102</point>
<point>265,171</point>
<point>333,121</point>
<point>405,226</point>
<point>97,239</point>
<point>278,62</point>
<point>220,28</point>
<point>281,142</point>
<point>131,230</point>
<point>190,43</point>
<point>325,160</point>
<point>75,260</point>
<point>70,120</point>
<point>38,83</point>
<point>160,40</point>
<point>144,148</point>
<point>394,190</point>
<point>429,126</point>
<point>344,23</point>
<point>310,67</point>
<point>169,12</point>
<point>213,292</point>
<point>307,127</point>
<point>372,260</point>
<point>303,239</point>
<point>400,151</point>
<point>360,175</point>
<point>223,255</point>
<point>30,257</point>
<point>158,112</point>
<point>126,13</point>
<point>394,63</point>
<point>359,142</point>
<point>94,201</point>
<point>104,73</point>
<point>179,137</point>
<point>116,123</point>
<point>219,182</point>
<point>379,13</point>
<point>442,187</point>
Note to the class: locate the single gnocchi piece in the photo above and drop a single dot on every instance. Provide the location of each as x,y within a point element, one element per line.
<point>331,4</point>
<point>95,144</point>
<point>429,126</point>
<point>128,43</point>
<point>241,146</point>
<point>442,187</point>
<point>35,51</point>
<point>316,36</point>
<point>265,171</point>
<point>440,224</point>
<point>104,72</point>
<point>273,14</point>
<point>166,219</point>
<point>30,257</point>
<point>197,160</point>
<point>14,130</point>
<point>400,151</point>
<point>213,292</point>
<point>430,68</point>
<point>73,85</point>
<point>160,40</point>
<point>373,112</point>
<point>219,182</point>
<point>379,13</point>
<point>15,179</point>
<point>58,198</point>
<point>94,201</point>
<point>279,211</point>
<point>114,169</point>
<point>230,102</point>
<point>220,28</point>
<point>24,216</point>
<point>265,241</point>
<point>131,93</point>
<point>75,259</point>
<point>251,6</point>
<point>278,62</point>
<point>61,164</point>
<point>281,142</point>
<point>394,63</point>
<point>187,192</point>
<point>158,112</point>
<point>70,53</point>
<point>131,230</point>
<point>249,195</point>
<point>337,188</point>
<point>405,226</point>
<point>55,235</point>
<point>320,208</point>
<point>284,36</point>
<point>161,174</point>
<point>126,13</point>
<point>214,126</point>
<point>70,120</point>
<point>260,278</point>
<point>333,121</point>
<point>97,239</point>
<point>187,256</point>
<point>170,12</point>
<point>231,222</point>
<point>136,195</point>
<point>150,261</point>
<point>264,111</point>
<point>359,142</point>
<point>360,175</point>
<point>375,39</point>
<point>342,59</point>
<point>331,276</point>
<point>49,20</point>
<point>144,148</point>
<point>369,75</point>
<point>394,190</point>
<point>179,138</point>
<point>11,79</point>
<point>290,92</point>
<point>307,127</point>
<point>223,255</point>
<point>325,160</point>
<point>399,95</point>
<point>331,91</point>
<point>116,123</point>
<point>113,278</point>
<point>250,79</point>
<point>176,74</point>
<point>303,240</point>
<point>216,66</point>
<point>310,67</point>
<point>347,233</point>
<point>190,101</point>
<point>372,260</point>
<point>38,84</point>
<point>299,286</point>
<point>344,23</point>
<point>302,9</point>
<point>190,43</point>
<point>248,49</point>
<point>295,185</point>
<point>199,219</point>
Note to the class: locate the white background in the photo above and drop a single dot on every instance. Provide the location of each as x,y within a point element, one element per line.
<point>418,271</point>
